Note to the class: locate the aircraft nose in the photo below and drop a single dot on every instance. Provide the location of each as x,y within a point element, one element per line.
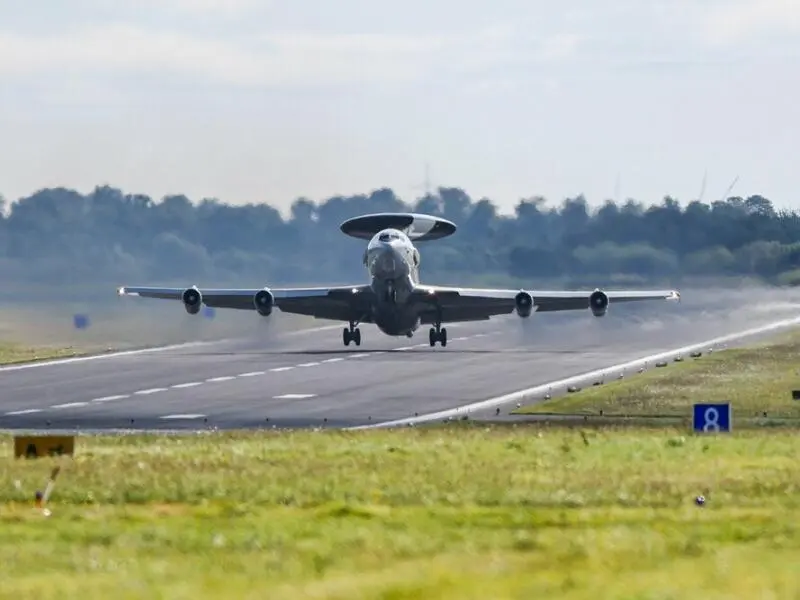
<point>387,263</point>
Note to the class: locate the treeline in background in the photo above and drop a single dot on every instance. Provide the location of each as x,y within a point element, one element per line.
<point>108,237</point>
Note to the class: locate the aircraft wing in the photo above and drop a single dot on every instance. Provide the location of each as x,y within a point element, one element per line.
<point>338,303</point>
<point>477,304</point>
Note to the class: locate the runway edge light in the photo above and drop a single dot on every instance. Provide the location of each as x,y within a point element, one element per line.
<point>712,418</point>
<point>40,446</point>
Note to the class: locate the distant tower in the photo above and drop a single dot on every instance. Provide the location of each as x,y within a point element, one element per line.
<point>426,184</point>
<point>427,179</point>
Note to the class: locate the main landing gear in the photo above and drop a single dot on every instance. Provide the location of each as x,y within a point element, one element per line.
<point>351,334</point>
<point>438,334</point>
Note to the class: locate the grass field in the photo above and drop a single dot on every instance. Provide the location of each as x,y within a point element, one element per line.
<point>757,379</point>
<point>460,511</point>
<point>466,511</point>
<point>16,353</point>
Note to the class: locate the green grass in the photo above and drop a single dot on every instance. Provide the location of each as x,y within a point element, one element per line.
<point>17,353</point>
<point>755,380</point>
<point>466,511</point>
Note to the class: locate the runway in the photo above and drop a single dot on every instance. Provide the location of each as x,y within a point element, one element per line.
<point>310,379</point>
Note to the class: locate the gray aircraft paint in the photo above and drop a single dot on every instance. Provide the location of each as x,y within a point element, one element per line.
<point>392,263</point>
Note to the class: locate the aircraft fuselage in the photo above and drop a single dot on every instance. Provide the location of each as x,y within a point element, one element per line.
<point>392,262</point>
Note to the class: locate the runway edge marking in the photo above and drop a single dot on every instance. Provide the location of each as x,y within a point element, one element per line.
<point>76,359</point>
<point>540,389</point>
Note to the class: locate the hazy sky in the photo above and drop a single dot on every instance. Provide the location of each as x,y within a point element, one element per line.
<point>268,100</point>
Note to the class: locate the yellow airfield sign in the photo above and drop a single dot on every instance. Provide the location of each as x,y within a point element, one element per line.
<point>39,446</point>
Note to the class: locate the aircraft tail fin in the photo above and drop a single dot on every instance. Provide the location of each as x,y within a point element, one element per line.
<point>418,227</point>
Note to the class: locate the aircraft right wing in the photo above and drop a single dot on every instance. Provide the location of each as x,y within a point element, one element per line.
<point>479,304</point>
<point>337,303</point>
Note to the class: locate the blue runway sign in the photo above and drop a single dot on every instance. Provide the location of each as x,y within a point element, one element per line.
<point>209,312</point>
<point>80,321</point>
<point>712,418</point>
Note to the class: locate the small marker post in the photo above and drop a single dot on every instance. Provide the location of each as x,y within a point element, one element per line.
<point>42,498</point>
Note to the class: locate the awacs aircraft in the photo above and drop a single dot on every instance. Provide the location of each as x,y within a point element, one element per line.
<point>394,299</point>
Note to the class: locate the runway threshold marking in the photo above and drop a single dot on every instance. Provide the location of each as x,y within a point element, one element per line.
<point>191,384</point>
<point>529,393</point>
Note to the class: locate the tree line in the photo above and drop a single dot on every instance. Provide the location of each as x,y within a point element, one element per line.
<point>60,236</point>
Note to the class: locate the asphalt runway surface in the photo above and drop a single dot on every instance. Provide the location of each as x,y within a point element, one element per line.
<point>309,379</point>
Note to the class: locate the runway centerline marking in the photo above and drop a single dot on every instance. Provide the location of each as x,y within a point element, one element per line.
<point>252,374</point>
<point>25,411</point>
<point>150,391</point>
<point>189,384</point>
<point>183,416</point>
<point>223,378</point>
<point>280,369</point>
<point>69,405</point>
<point>111,398</point>
<point>293,396</point>
<point>308,364</point>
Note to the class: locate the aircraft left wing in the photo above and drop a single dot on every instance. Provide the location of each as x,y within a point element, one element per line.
<point>477,304</point>
<point>338,303</point>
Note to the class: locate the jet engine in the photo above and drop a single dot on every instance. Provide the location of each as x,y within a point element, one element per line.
<point>264,301</point>
<point>192,300</point>
<point>598,303</point>
<point>523,303</point>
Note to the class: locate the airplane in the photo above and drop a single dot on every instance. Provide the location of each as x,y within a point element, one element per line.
<point>394,299</point>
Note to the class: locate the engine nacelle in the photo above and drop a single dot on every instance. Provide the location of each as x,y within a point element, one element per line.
<point>524,304</point>
<point>264,300</point>
<point>598,303</point>
<point>192,300</point>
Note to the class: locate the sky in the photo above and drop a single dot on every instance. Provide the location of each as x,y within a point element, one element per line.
<point>267,101</point>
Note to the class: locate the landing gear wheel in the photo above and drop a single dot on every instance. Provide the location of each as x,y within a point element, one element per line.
<point>437,336</point>
<point>353,334</point>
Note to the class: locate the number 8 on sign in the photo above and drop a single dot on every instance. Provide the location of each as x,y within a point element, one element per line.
<point>711,418</point>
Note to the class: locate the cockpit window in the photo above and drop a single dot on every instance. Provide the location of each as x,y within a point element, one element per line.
<point>388,236</point>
